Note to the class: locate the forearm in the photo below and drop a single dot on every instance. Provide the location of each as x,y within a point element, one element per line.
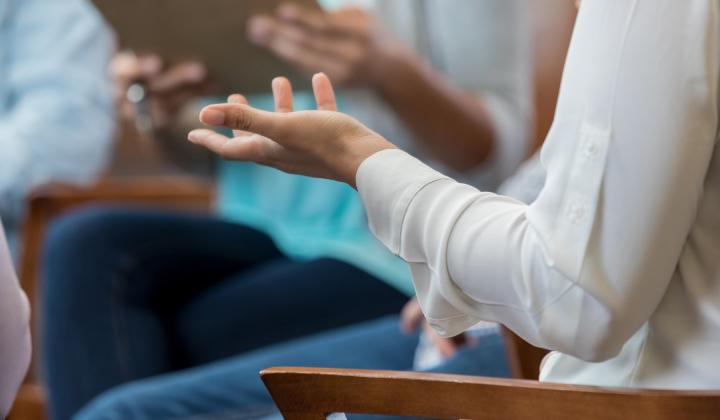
<point>451,124</point>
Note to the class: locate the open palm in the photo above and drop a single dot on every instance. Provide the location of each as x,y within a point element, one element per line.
<point>323,143</point>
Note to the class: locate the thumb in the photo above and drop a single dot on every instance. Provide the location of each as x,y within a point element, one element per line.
<point>244,118</point>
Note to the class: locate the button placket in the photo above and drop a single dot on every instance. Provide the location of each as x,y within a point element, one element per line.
<point>590,151</point>
<point>576,212</point>
<point>583,188</point>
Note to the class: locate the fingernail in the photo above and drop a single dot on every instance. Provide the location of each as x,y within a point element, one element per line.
<point>193,136</point>
<point>278,82</point>
<point>212,117</point>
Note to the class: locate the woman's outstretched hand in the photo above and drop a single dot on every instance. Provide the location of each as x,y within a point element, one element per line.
<point>323,143</point>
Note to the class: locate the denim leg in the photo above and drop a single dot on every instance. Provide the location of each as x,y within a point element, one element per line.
<point>486,357</point>
<point>112,277</point>
<point>133,293</point>
<point>232,389</point>
<point>277,302</point>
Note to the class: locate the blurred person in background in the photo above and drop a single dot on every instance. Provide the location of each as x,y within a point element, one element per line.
<point>14,330</point>
<point>159,292</point>
<point>56,114</point>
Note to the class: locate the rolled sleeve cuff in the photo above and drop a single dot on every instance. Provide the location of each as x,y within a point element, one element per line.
<point>387,182</point>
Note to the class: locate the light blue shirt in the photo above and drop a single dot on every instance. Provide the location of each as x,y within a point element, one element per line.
<point>56,118</point>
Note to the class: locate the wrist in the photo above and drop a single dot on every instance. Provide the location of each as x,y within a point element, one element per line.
<point>357,151</point>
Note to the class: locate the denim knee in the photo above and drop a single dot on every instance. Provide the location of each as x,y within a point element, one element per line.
<point>117,404</point>
<point>72,232</point>
<point>71,243</point>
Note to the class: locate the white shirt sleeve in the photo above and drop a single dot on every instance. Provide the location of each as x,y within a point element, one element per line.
<point>585,266</point>
<point>14,331</point>
<point>56,122</point>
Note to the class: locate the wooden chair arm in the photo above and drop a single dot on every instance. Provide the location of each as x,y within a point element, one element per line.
<point>172,190</point>
<point>524,358</point>
<point>309,393</point>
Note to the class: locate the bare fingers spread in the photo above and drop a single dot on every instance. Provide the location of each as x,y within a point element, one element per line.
<point>322,143</point>
<point>239,116</point>
<point>244,118</point>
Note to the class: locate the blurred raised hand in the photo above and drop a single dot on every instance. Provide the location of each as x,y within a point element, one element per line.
<point>348,45</point>
<point>161,100</point>
<point>354,50</point>
<point>167,88</point>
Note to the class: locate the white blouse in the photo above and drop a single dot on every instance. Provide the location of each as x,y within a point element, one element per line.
<point>14,331</point>
<point>616,265</point>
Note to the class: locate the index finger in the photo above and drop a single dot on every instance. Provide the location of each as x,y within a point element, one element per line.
<point>245,118</point>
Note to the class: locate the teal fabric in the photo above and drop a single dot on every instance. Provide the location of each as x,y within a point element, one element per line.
<point>307,218</point>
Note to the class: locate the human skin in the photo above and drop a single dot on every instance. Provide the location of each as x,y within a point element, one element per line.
<point>323,143</point>
<point>354,50</point>
<point>345,144</point>
<point>348,45</point>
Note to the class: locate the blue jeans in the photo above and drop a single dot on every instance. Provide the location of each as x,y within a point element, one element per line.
<point>232,389</point>
<point>129,294</point>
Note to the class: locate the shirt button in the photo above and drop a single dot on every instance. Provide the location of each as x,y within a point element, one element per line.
<point>591,149</point>
<point>576,212</point>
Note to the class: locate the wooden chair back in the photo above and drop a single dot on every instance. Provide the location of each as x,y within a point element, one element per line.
<point>312,394</point>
